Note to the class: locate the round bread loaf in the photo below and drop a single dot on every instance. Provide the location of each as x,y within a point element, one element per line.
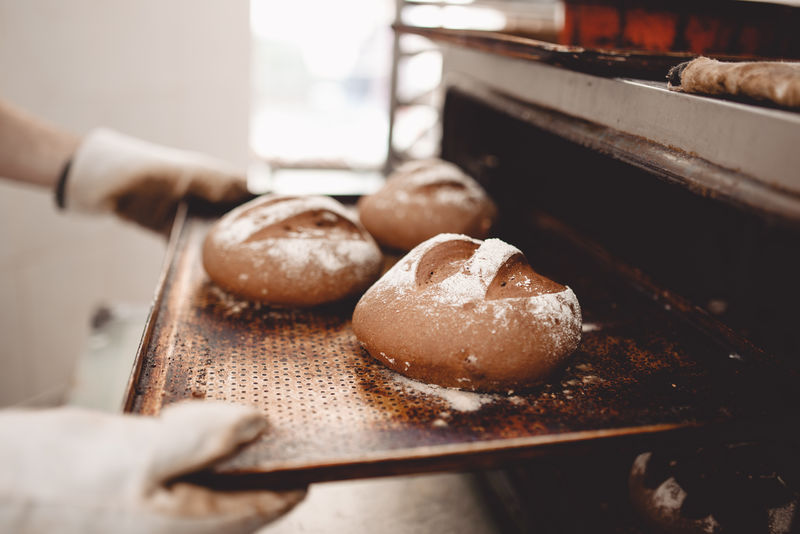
<point>468,314</point>
<point>425,198</point>
<point>294,251</point>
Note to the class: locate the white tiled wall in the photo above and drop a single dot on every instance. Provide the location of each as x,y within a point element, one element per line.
<point>175,72</point>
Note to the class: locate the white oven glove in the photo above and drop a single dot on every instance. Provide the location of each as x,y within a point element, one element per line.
<point>143,182</point>
<point>70,470</point>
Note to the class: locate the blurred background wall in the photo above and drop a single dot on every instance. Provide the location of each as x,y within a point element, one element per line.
<point>175,72</point>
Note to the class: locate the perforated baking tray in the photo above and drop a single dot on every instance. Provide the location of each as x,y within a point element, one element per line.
<point>647,368</point>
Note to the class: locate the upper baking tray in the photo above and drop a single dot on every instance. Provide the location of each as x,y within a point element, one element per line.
<point>642,370</point>
<point>640,64</point>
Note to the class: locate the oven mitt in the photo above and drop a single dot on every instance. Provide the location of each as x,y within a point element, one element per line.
<point>774,81</point>
<point>143,182</point>
<point>71,470</point>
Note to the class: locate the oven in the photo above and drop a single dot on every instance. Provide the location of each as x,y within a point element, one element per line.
<point>674,218</point>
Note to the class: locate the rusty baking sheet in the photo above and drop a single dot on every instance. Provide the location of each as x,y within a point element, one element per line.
<point>642,371</point>
<point>640,64</point>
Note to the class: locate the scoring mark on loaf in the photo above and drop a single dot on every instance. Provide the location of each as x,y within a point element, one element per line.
<point>431,180</point>
<point>442,184</point>
<point>443,260</point>
<point>448,192</point>
<point>466,271</point>
<point>440,178</point>
<point>515,278</point>
<point>443,268</point>
<point>477,279</point>
<point>312,223</point>
<point>289,217</point>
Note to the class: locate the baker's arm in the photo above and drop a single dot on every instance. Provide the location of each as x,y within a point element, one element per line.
<point>109,172</point>
<point>32,151</point>
<point>75,471</point>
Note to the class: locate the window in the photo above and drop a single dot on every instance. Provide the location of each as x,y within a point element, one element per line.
<point>321,74</point>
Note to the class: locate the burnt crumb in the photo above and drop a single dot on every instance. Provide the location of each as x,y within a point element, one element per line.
<point>675,73</point>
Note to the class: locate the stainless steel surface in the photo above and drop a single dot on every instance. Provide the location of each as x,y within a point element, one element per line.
<point>754,144</point>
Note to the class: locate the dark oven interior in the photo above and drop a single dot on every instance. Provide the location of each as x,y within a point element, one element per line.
<point>731,264</point>
<point>743,267</point>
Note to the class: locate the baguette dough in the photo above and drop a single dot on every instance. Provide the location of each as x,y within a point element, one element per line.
<point>774,81</point>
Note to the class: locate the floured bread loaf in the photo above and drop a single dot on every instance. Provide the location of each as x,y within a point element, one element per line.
<point>469,314</point>
<point>296,251</point>
<point>422,199</point>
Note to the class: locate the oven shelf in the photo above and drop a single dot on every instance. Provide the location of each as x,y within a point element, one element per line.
<point>738,151</point>
<point>645,371</point>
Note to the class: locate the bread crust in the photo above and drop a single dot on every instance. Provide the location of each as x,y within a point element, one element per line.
<point>425,198</point>
<point>467,314</point>
<point>291,251</point>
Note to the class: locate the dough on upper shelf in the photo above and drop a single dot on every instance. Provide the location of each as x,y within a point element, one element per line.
<point>292,251</point>
<point>424,198</point>
<point>468,314</point>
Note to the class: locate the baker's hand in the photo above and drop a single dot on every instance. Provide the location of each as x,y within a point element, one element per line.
<point>143,182</point>
<point>69,470</point>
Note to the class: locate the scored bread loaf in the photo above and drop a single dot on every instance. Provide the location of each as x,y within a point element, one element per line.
<point>424,198</point>
<point>289,250</point>
<point>468,314</point>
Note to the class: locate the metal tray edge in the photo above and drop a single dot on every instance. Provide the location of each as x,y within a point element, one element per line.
<point>178,225</point>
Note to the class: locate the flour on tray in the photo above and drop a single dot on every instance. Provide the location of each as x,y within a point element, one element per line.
<point>458,400</point>
<point>232,304</point>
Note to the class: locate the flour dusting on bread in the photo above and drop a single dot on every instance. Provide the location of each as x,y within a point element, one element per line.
<point>424,198</point>
<point>469,314</point>
<point>299,254</point>
<point>244,222</point>
<point>291,251</point>
<point>469,285</point>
